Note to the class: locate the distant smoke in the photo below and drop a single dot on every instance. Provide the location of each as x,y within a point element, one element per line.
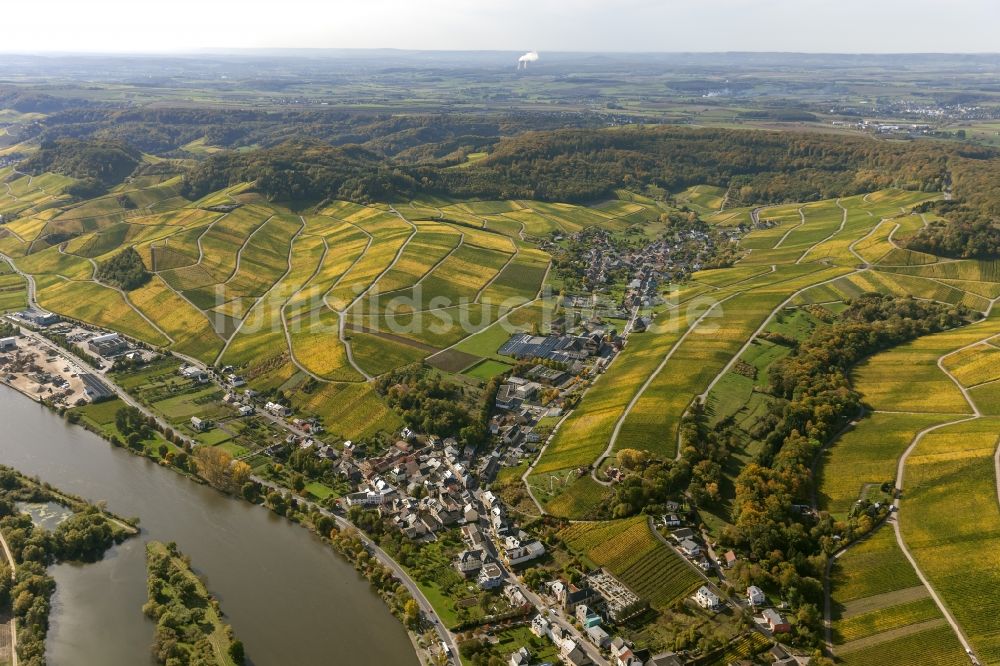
<point>530,56</point>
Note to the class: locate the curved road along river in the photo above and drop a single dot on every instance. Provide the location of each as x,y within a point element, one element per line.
<point>289,597</point>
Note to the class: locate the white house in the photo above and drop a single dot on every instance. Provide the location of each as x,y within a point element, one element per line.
<point>194,373</point>
<point>540,626</point>
<point>277,410</point>
<point>706,598</point>
<point>690,548</point>
<point>521,657</point>
<point>490,577</point>
<point>756,596</point>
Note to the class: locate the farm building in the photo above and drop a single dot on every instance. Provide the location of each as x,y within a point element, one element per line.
<point>95,389</point>
<point>547,376</point>
<point>562,348</point>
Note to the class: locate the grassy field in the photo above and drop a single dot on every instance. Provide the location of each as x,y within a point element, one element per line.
<point>488,369</point>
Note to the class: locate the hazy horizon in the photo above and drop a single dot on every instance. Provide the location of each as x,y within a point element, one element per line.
<point>581,26</point>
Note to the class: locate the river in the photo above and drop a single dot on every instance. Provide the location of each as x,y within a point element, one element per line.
<point>289,597</point>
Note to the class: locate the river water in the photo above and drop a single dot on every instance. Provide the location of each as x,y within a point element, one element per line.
<point>289,597</point>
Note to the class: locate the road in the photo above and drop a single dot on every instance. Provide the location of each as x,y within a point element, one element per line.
<point>540,605</point>
<point>900,470</point>
<point>343,523</point>
<point>386,561</point>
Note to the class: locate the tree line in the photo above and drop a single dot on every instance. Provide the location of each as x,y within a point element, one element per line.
<point>583,165</point>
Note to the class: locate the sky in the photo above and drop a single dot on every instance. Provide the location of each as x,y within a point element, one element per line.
<point>828,26</point>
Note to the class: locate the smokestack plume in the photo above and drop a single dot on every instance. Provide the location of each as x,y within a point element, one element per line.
<point>530,56</point>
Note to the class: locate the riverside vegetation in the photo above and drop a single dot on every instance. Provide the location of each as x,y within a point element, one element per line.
<point>84,536</point>
<point>189,626</point>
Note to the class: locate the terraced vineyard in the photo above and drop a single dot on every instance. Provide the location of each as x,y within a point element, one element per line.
<point>796,260</point>
<point>629,550</point>
<point>945,443</point>
<point>329,298</point>
<point>319,302</point>
<point>13,289</point>
<point>881,609</point>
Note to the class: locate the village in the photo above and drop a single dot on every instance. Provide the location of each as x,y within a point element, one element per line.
<point>429,490</point>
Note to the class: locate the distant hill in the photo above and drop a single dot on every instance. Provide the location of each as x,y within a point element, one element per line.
<point>104,162</point>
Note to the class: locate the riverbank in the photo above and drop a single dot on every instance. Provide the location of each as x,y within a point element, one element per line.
<point>322,595</point>
<point>83,535</point>
<point>166,448</point>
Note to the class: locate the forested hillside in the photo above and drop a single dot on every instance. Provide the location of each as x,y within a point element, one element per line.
<point>106,162</point>
<point>584,165</point>
<point>411,138</point>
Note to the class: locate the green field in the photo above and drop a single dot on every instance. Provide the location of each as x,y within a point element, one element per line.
<point>488,369</point>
